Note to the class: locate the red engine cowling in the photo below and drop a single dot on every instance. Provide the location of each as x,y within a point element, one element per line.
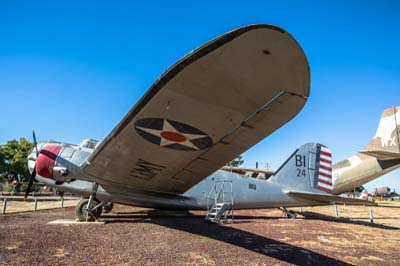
<point>46,160</point>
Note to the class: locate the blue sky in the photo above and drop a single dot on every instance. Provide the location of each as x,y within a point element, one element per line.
<point>72,70</point>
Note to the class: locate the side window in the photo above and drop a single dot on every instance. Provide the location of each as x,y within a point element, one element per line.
<point>252,186</point>
<point>67,152</point>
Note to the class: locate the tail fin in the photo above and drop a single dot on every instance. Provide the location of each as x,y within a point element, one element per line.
<point>307,177</point>
<point>385,145</point>
<point>308,169</point>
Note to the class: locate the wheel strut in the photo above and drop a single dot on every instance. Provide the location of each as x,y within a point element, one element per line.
<point>91,212</point>
<point>287,213</point>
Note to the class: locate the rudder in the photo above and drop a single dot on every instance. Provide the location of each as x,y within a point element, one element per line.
<point>385,144</point>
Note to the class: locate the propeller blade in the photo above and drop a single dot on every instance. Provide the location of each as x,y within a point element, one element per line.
<point>35,143</point>
<point>31,178</point>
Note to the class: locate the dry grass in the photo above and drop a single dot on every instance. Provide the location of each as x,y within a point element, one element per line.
<point>18,204</point>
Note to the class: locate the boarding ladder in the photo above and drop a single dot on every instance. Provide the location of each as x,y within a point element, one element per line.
<point>220,201</point>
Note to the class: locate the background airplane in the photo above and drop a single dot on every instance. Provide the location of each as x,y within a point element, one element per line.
<point>205,110</point>
<point>380,156</point>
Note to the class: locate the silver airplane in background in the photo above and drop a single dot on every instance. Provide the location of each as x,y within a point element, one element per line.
<point>209,107</point>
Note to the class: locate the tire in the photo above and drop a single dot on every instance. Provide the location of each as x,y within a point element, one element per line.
<point>107,207</point>
<point>291,215</point>
<point>80,210</point>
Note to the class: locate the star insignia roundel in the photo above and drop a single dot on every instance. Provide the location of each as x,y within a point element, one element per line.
<point>172,134</point>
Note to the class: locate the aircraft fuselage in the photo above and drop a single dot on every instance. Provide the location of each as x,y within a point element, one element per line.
<point>247,192</point>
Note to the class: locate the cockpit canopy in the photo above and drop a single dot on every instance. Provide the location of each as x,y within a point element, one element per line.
<point>88,144</point>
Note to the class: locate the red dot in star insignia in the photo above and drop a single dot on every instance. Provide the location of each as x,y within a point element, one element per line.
<point>173,136</point>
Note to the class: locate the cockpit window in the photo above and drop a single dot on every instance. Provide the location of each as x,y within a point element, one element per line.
<point>88,144</point>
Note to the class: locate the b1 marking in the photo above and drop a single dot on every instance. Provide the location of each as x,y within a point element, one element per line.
<point>300,165</point>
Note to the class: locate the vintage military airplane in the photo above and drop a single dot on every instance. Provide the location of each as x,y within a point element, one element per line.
<point>380,156</point>
<point>205,110</point>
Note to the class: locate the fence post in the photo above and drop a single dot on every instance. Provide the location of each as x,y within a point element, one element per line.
<point>371,216</point>
<point>336,211</point>
<point>35,204</point>
<point>62,202</point>
<point>4,206</point>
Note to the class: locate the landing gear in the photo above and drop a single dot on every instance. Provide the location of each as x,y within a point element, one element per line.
<point>107,207</point>
<point>89,209</point>
<point>288,214</point>
<point>86,213</point>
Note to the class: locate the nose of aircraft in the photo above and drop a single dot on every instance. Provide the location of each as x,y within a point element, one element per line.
<point>46,159</point>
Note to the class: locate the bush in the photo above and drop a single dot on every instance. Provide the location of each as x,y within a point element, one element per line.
<point>35,187</point>
<point>8,187</point>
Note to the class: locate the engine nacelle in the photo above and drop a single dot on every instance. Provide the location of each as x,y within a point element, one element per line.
<point>46,160</point>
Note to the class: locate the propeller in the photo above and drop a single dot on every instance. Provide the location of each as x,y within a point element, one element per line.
<point>31,179</point>
<point>33,174</point>
<point>35,143</point>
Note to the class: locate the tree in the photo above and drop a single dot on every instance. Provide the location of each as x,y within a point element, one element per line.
<point>13,160</point>
<point>237,161</point>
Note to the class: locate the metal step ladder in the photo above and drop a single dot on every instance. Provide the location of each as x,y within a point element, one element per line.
<point>220,201</point>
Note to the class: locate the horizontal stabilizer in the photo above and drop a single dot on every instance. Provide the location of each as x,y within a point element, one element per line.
<point>326,198</point>
<point>381,155</point>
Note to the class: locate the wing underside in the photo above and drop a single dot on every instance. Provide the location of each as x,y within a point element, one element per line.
<point>211,106</point>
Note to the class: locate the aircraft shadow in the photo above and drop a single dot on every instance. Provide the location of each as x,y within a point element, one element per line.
<point>317,216</point>
<point>195,224</point>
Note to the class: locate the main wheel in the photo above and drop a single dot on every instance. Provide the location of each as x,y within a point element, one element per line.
<point>291,215</point>
<point>107,207</point>
<point>82,213</point>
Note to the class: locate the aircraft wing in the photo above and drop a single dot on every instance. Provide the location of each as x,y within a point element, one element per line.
<point>211,106</point>
<point>328,198</point>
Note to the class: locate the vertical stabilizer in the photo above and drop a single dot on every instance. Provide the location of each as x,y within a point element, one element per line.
<point>385,144</point>
<point>308,169</point>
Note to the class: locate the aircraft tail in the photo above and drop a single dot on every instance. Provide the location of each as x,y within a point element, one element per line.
<point>307,176</point>
<point>308,169</point>
<point>385,145</point>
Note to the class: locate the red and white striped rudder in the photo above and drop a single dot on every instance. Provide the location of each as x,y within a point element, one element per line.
<point>325,170</point>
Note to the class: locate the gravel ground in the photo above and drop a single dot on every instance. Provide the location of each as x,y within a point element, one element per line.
<point>135,236</point>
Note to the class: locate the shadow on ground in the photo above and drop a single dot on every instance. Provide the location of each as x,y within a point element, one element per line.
<point>195,224</point>
<point>317,216</point>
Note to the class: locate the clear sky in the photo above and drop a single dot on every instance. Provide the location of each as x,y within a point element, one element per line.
<point>72,70</point>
